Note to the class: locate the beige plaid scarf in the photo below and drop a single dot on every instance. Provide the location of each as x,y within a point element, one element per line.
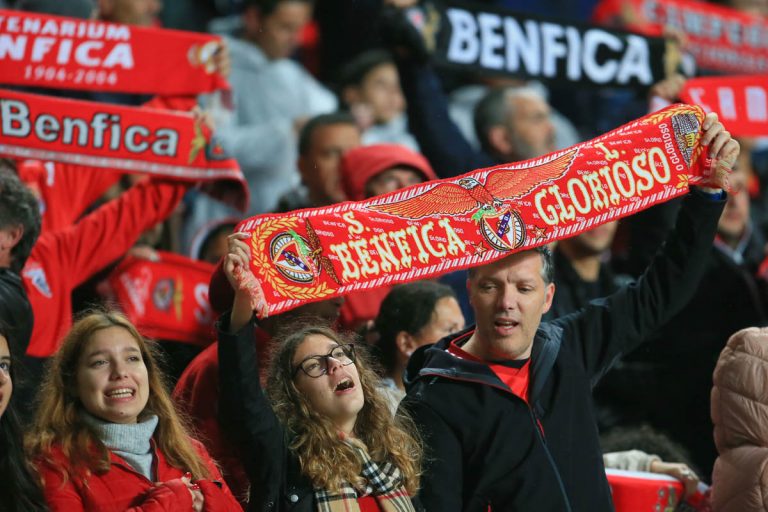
<point>384,482</point>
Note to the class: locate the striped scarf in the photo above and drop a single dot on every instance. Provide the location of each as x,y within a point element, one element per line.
<point>383,482</point>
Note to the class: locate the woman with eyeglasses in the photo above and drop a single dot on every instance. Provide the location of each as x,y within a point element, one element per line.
<point>322,438</point>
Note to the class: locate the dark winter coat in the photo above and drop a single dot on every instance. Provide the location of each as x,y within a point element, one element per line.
<point>489,450</point>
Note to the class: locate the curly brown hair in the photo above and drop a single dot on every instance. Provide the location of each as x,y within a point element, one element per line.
<point>324,458</point>
<point>58,421</point>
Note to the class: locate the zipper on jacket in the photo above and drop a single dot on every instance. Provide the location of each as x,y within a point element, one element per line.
<point>540,432</point>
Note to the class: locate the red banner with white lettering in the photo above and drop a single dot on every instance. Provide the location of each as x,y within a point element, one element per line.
<point>740,101</point>
<point>126,139</point>
<point>719,38</point>
<point>165,299</point>
<point>436,227</point>
<point>69,53</point>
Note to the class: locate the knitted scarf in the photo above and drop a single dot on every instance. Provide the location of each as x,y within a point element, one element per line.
<point>384,482</point>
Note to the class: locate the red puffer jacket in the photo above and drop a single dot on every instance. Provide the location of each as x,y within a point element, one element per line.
<point>122,489</point>
<point>740,416</point>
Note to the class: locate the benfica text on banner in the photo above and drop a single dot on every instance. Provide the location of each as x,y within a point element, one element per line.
<point>495,40</point>
<point>125,139</point>
<point>69,53</point>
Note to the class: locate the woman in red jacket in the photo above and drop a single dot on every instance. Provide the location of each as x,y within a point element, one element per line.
<point>107,436</point>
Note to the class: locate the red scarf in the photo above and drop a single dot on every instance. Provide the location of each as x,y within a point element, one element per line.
<point>69,53</point>
<point>125,139</point>
<point>165,299</point>
<point>740,101</point>
<point>720,38</point>
<point>440,226</point>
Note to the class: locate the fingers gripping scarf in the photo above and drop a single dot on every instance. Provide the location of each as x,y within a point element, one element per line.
<point>384,482</point>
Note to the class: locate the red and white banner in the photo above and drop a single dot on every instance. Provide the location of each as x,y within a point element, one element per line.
<point>126,139</point>
<point>719,38</point>
<point>69,53</point>
<point>429,229</point>
<point>740,101</point>
<point>166,299</point>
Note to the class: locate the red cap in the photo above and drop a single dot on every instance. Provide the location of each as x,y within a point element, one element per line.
<point>361,164</point>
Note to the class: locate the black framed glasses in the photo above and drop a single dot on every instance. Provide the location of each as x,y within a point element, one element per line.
<point>317,366</point>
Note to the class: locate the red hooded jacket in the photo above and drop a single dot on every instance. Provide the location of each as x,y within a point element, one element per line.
<point>358,166</point>
<point>123,489</point>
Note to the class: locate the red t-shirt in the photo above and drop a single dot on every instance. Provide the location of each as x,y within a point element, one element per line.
<point>368,504</point>
<point>514,374</point>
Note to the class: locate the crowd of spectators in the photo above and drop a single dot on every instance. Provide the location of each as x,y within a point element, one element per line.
<point>333,101</point>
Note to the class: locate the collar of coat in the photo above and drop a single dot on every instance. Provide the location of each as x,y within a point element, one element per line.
<point>435,361</point>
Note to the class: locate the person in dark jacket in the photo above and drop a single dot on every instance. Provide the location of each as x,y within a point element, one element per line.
<point>20,226</point>
<point>324,439</point>
<point>505,407</point>
<point>21,490</point>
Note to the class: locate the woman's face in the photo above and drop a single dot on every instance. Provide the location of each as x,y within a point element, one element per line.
<point>338,393</point>
<point>112,380</point>
<point>6,385</point>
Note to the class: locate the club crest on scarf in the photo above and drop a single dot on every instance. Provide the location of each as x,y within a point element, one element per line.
<point>169,292</point>
<point>300,258</point>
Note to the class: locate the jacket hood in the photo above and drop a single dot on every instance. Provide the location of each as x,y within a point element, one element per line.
<point>435,360</point>
<point>739,398</point>
<point>361,164</point>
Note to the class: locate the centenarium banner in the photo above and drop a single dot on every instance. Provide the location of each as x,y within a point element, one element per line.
<point>165,299</point>
<point>740,101</point>
<point>126,139</point>
<point>69,53</point>
<point>720,38</point>
<point>492,40</point>
<point>440,226</point>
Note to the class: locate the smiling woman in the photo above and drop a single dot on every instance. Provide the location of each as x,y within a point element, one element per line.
<point>107,436</point>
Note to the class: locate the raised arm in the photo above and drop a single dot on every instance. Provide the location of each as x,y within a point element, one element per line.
<point>617,324</point>
<point>243,407</point>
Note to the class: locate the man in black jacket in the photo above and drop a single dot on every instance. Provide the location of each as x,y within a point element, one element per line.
<point>505,407</point>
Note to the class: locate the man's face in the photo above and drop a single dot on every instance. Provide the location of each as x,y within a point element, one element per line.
<point>529,127</point>
<point>509,297</point>
<point>733,221</point>
<point>391,180</point>
<point>142,13</point>
<point>320,166</point>
<point>278,34</point>
<point>381,91</point>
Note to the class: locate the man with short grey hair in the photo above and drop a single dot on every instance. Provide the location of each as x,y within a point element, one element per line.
<point>505,407</point>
